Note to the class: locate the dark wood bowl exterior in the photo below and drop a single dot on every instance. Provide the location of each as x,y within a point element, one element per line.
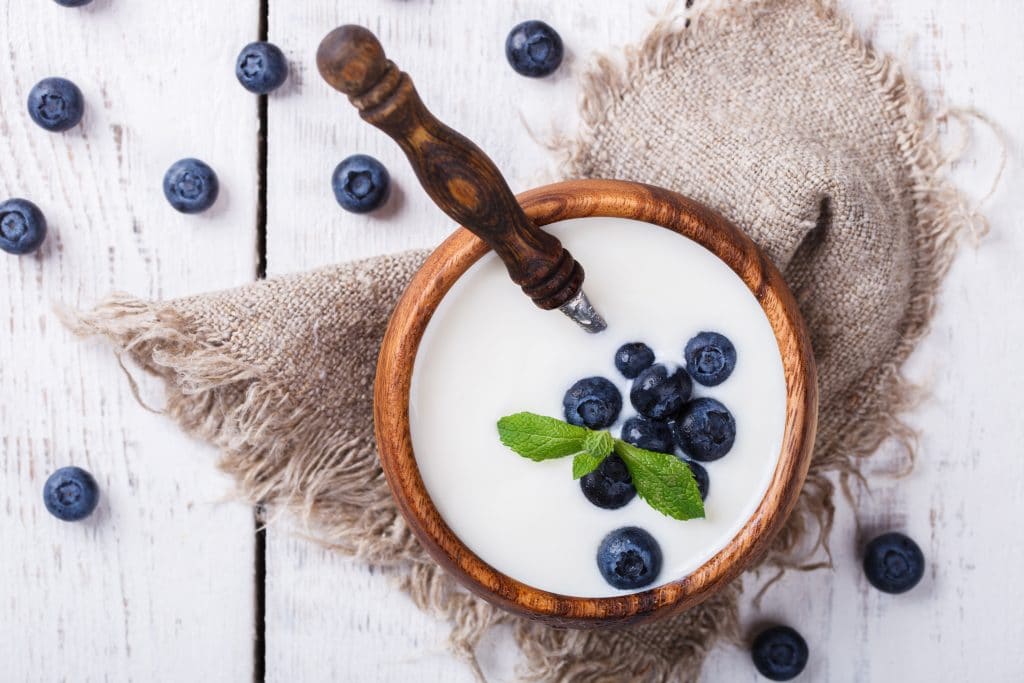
<point>548,204</point>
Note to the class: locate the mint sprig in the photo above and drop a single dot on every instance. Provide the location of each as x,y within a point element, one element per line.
<point>661,479</point>
<point>541,438</point>
<point>596,447</point>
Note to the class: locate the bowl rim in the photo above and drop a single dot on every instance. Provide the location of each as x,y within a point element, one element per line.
<point>581,199</point>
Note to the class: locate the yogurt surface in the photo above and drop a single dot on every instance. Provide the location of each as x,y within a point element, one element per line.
<point>489,352</point>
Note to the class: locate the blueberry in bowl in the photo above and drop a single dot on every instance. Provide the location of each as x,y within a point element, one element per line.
<point>633,358</point>
<point>779,653</point>
<point>261,67</point>
<point>593,402</point>
<point>609,486</point>
<point>700,475</point>
<point>361,183</point>
<point>649,434</point>
<point>534,49</point>
<point>22,226</point>
<point>629,558</point>
<point>56,104</point>
<point>893,563</point>
<point>191,186</point>
<point>710,358</point>
<point>660,393</point>
<point>705,430</point>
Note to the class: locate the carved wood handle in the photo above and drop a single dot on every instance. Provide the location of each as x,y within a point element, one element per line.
<point>457,175</point>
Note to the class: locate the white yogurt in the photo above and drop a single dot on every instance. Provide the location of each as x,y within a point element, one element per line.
<point>488,352</point>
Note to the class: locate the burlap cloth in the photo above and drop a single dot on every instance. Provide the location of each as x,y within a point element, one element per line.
<point>775,113</point>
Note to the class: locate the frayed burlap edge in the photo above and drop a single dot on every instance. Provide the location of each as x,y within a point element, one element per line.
<point>283,457</point>
<point>276,458</point>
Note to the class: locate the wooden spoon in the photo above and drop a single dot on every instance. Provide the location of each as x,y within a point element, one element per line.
<point>457,175</point>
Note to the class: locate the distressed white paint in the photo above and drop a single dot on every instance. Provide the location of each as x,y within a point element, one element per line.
<point>157,585</point>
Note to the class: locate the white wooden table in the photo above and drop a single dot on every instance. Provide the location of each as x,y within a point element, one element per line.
<point>168,581</point>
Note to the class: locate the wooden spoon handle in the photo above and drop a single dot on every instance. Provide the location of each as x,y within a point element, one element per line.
<point>457,175</point>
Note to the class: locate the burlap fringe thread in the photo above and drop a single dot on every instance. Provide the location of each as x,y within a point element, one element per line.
<point>280,461</point>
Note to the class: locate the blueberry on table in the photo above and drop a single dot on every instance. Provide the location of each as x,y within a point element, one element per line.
<point>261,67</point>
<point>361,183</point>
<point>191,186</point>
<point>705,429</point>
<point>72,3</point>
<point>22,226</point>
<point>660,393</point>
<point>56,104</point>
<point>629,558</point>
<point>893,563</point>
<point>592,402</point>
<point>710,358</point>
<point>534,49</point>
<point>780,653</point>
<point>609,486</point>
<point>632,358</point>
<point>700,474</point>
<point>71,494</point>
<point>651,435</point>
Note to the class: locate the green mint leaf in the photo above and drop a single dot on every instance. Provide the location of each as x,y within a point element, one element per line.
<point>598,444</point>
<point>596,447</point>
<point>584,463</point>
<point>663,480</point>
<point>541,438</point>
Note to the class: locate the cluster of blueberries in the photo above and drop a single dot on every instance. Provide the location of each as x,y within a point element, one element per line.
<point>703,428</point>
<point>360,183</point>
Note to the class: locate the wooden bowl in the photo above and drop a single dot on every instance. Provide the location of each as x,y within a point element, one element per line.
<point>548,204</point>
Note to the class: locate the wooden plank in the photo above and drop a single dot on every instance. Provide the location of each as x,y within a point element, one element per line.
<point>328,617</point>
<point>158,584</point>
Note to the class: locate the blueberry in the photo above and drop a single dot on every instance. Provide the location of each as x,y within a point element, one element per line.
<point>629,558</point>
<point>261,67</point>
<point>609,486</point>
<point>191,186</point>
<point>893,563</point>
<point>632,358</point>
<point>72,3</point>
<point>660,394</point>
<point>534,49</point>
<point>701,476</point>
<point>710,358</point>
<point>56,104</point>
<point>22,226</point>
<point>71,494</point>
<point>780,653</point>
<point>652,435</point>
<point>593,402</point>
<point>705,430</point>
<point>361,183</point>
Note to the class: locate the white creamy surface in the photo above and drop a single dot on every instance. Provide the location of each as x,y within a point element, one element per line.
<point>488,352</point>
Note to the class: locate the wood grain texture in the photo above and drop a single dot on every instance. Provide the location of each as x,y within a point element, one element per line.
<point>564,201</point>
<point>458,175</point>
<point>157,585</point>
